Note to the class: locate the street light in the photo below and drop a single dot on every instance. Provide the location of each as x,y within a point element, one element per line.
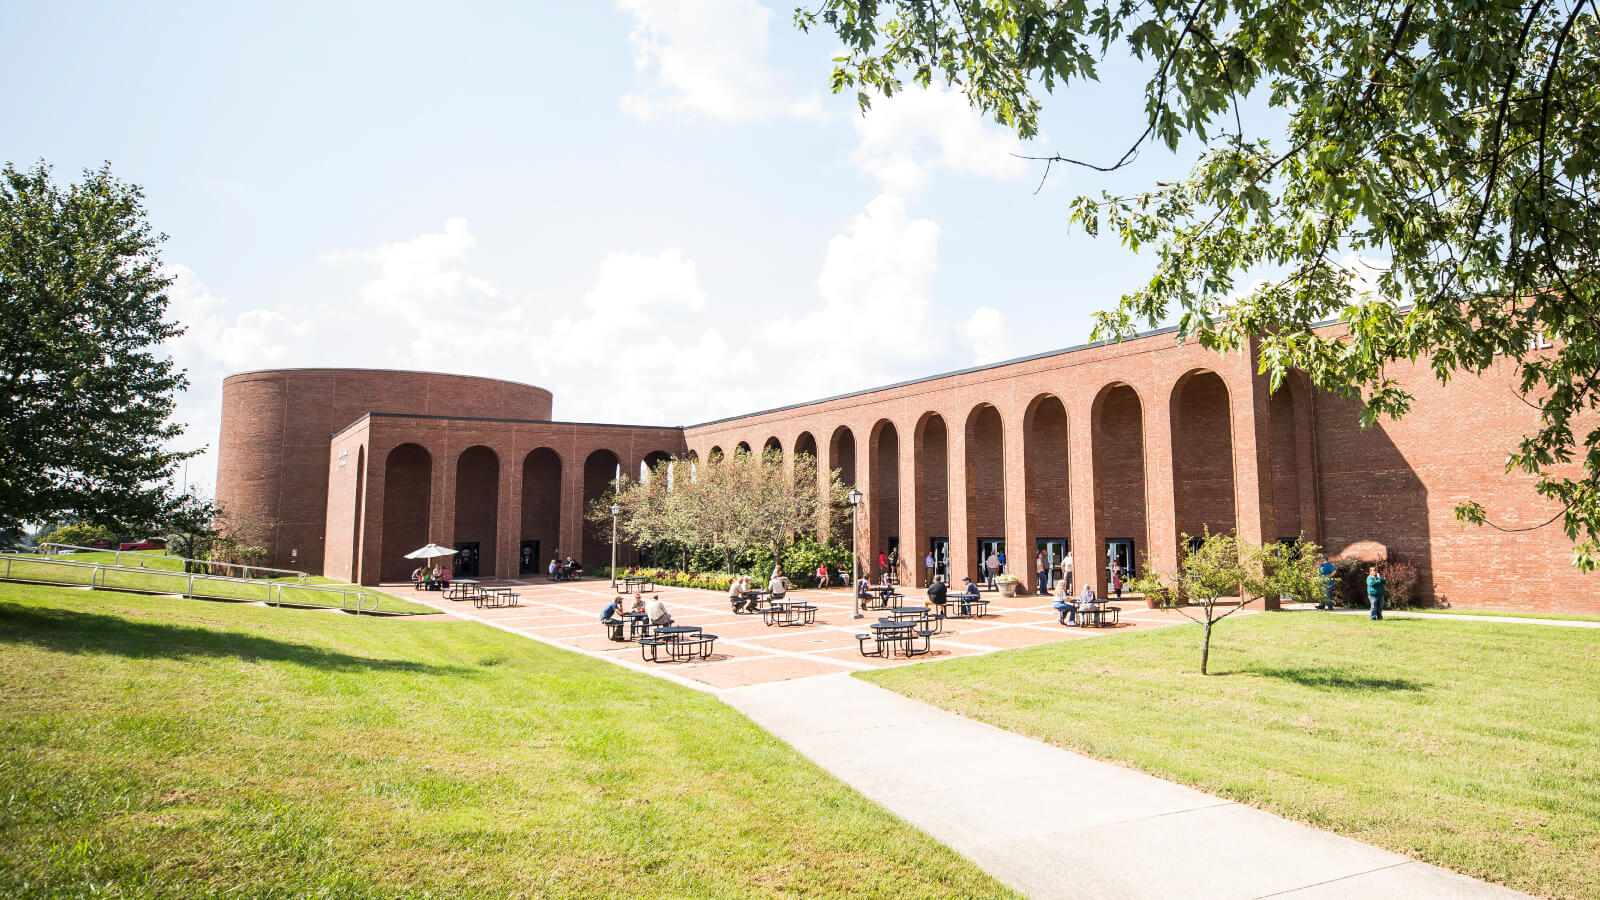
<point>855,561</point>
<point>615,510</point>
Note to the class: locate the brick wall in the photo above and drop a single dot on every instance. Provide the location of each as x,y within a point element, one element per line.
<point>1202,456</point>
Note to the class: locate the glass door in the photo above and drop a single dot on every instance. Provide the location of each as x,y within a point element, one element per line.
<point>1054,550</point>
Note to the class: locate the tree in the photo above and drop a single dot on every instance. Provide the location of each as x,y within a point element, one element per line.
<point>1455,141</point>
<point>85,392</point>
<point>80,534</point>
<point>729,505</point>
<point>1217,567</point>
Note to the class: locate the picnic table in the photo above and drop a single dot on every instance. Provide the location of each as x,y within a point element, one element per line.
<point>928,618</point>
<point>754,602</point>
<point>461,589</point>
<point>637,584</point>
<point>967,606</point>
<point>789,612</point>
<point>494,597</point>
<point>884,596</point>
<point>681,642</point>
<point>889,635</point>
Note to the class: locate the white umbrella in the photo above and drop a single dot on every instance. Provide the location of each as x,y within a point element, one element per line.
<point>430,551</point>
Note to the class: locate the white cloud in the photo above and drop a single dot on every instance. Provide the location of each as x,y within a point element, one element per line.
<point>905,137</point>
<point>708,58</point>
<point>985,330</point>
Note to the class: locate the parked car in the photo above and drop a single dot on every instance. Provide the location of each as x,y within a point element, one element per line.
<point>146,544</point>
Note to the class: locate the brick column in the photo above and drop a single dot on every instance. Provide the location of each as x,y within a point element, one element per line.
<point>508,514</point>
<point>370,549</point>
<point>1019,539</point>
<point>1088,545</point>
<point>442,495</point>
<point>913,542</point>
<point>1160,497</point>
<point>961,536</point>
<point>1251,404</point>
<point>572,505</point>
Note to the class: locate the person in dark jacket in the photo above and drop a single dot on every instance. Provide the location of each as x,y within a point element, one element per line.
<point>936,595</point>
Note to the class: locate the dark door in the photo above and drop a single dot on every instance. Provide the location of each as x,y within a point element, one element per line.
<point>990,547</point>
<point>1119,551</point>
<point>940,548</point>
<point>529,560</point>
<point>1054,550</point>
<point>466,562</point>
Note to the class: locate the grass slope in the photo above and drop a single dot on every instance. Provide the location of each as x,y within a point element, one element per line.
<point>1472,746</point>
<point>165,575</point>
<point>164,748</point>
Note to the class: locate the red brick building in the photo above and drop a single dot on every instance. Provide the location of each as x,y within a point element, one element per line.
<point>1102,449</point>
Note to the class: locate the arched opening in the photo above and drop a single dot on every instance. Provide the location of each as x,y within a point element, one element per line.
<point>883,451</point>
<point>407,497</point>
<point>932,497</point>
<point>842,452</point>
<point>805,443</point>
<point>986,488</point>
<point>356,516</point>
<point>1202,455</point>
<point>714,456</point>
<point>541,510</point>
<point>1117,427</point>
<point>477,512</point>
<point>1286,500</point>
<point>1045,465</point>
<point>600,471</point>
<point>742,447</point>
<point>774,445</point>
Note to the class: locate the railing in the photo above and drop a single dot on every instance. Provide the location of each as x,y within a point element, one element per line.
<point>46,549</point>
<point>350,598</point>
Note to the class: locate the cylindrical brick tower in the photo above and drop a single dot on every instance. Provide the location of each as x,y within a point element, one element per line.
<point>272,455</point>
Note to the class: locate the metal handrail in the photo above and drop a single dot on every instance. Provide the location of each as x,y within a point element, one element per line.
<point>351,599</point>
<point>44,549</point>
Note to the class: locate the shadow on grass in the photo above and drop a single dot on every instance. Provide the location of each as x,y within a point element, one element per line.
<point>1328,679</point>
<point>64,631</point>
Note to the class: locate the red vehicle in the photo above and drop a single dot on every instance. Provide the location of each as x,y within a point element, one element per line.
<point>146,544</point>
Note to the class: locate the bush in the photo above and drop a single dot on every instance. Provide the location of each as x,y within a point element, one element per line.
<point>1350,583</point>
<point>709,581</point>
<point>80,535</point>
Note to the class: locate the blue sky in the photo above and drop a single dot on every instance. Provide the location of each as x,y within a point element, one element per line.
<point>653,208</point>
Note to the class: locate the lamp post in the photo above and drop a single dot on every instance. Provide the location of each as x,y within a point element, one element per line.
<point>615,509</point>
<point>855,561</point>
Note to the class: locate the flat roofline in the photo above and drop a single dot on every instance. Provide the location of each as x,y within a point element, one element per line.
<point>389,415</point>
<point>389,371</point>
<point>926,378</point>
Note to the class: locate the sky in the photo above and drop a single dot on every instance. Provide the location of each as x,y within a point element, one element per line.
<point>654,208</point>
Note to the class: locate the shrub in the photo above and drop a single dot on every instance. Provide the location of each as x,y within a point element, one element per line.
<point>81,535</point>
<point>1350,583</point>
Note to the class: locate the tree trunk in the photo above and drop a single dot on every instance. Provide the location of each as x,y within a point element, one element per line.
<point>1205,649</point>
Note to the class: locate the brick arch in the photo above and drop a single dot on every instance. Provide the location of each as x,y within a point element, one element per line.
<point>407,498</point>
<point>1045,464</point>
<point>931,493</point>
<point>1202,454</point>
<point>842,454</point>
<point>1116,422</point>
<point>805,442</point>
<point>742,447</point>
<point>1293,503</point>
<point>883,509</point>
<point>714,454</point>
<point>477,511</point>
<point>599,471</point>
<point>541,503</point>
<point>773,444</point>
<point>986,482</point>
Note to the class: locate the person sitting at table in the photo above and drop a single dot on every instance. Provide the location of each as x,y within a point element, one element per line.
<point>416,578</point>
<point>444,579</point>
<point>638,605</point>
<point>656,612</point>
<point>555,570</point>
<point>864,589</point>
<point>936,594</point>
<point>613,611</point>
<point>779,585</point>
<point>574,569</point>
<point>1064,605</point>
<point>971,589</point>
<point>736,589</point>
<point>427,578</point>
<point>886,583</point>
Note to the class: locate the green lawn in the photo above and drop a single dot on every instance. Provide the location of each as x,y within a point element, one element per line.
<point>1570,617</point>
<point>1475,747</point>
<point>165,575</point>
<point>154,747</point>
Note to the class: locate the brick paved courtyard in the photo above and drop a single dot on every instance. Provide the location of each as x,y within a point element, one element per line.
<point>751,652</point>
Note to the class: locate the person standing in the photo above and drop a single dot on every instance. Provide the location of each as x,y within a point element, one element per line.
<point>1377,591</point>
<point>1066,570</point>
<point>883,563</point>
<point>992,568</point>
<point>894,563</point>
<point>1040,567</point>
<point>1326,571</point>
<point>1002,558</point>
<point>1116,580</point>
<point>927,565</point>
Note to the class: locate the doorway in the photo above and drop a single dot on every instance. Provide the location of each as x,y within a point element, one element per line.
<point>528,560</point>
<point>466,561</point>
<point>988,547</point>
<point>940,548</point>
<point>1119,551</point>
<point>1054,550</point>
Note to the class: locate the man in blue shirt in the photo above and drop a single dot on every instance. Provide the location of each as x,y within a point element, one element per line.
<point>1326,571</point>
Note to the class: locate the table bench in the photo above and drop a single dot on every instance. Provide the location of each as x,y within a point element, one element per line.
<point>681,642</point>
<point>791,612</point>
<point>637,584</point>
<point>966,607</point>
<point>887,636</point>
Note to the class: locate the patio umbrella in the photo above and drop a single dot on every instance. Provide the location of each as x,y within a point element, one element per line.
<point>430,551</point>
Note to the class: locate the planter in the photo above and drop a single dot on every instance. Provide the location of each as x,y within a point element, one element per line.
<point>1010,588</point>
<point>1152,601</point>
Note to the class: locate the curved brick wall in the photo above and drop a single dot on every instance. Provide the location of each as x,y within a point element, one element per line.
<point>272,455</point>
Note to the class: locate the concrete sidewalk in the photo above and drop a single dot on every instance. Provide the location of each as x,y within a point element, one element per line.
<point>1051,823</point>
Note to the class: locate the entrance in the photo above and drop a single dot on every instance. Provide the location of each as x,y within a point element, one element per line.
<point>1119,551</point>
<point>466,561</point>
<point>528,561</point>
<point>1054,550</point>
<point>991,547</point>
<point>940,548</point>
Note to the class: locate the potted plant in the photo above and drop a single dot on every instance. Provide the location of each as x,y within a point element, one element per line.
<point>1009,585</point>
